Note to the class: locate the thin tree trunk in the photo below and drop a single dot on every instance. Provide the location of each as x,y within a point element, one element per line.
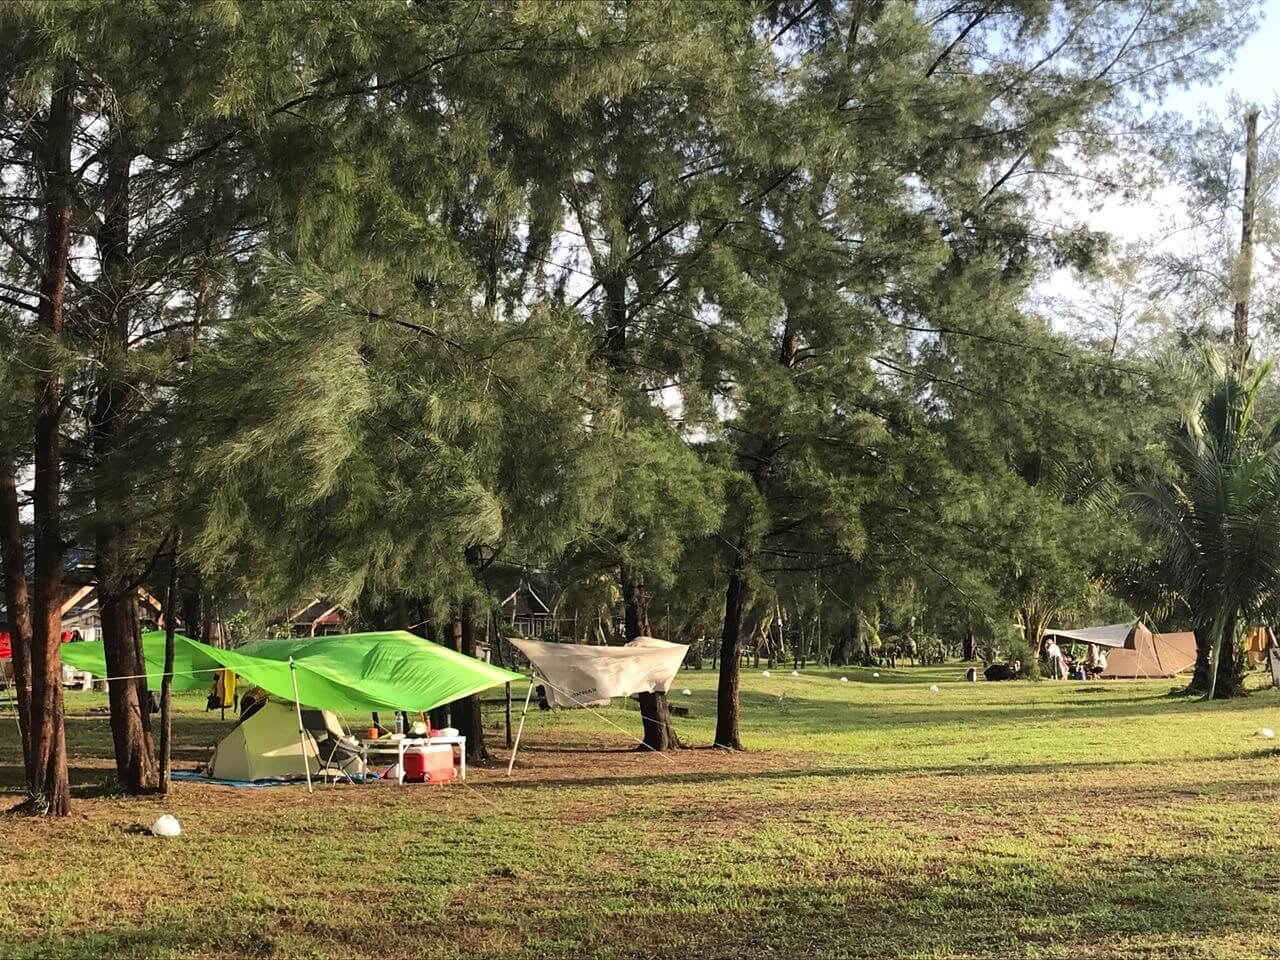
<point>194,612</point>
<point>166,682</point>
<point>449,714</point>
<point>1216,639</point>
<point>1240,333</point>
<point>466,712</point>
<point>735,596</point>
<point>130,708</point>
<point>655,710</point>
<point>50,787</point>
<point>18,605</point>
<point>439,717</point>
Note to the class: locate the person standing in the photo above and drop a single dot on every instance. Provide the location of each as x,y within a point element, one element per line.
<point>1053,653</point>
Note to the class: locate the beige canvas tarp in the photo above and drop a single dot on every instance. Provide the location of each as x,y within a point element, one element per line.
<point>577,675</point>
<point>1112,635</point>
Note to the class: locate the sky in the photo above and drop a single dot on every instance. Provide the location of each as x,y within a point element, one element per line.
<point>1254,74</point>
<point>1253,77</point>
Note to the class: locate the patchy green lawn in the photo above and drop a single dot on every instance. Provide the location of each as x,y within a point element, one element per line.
<point>870,818</point>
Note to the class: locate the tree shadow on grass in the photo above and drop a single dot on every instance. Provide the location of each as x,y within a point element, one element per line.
<point>143,940</point>
<point>804,715</point>
<point>970,770</point>
<point>884,900</point>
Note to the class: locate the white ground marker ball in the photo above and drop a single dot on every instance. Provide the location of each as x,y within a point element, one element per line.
<point>795,673</point>
<point>765,673</point>
<point>933,688</point>
<point>844,679</point>
<point>875,675</point>
<point>166,826</point>
<point>687,692</point>
<point>1266,733</point>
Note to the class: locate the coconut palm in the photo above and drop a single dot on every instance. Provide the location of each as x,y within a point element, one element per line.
<point>1216,517</point>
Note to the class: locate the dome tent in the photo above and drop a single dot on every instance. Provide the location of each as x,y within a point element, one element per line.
<point>266,746</point>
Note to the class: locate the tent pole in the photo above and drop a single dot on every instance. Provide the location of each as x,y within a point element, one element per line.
<point>302,733</point>
<point>508,692</point>
<point>520,729</point>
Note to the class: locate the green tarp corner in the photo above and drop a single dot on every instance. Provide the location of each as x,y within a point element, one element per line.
<point>358,672</point>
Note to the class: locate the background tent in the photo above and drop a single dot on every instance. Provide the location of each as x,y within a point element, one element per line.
<point>1147,654</point>
<point>1256,643</point>
<point>578,675</point>
<point>266,746</point>
<point>359,672</point>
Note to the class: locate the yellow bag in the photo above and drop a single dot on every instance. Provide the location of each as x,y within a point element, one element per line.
<point>222,695</point>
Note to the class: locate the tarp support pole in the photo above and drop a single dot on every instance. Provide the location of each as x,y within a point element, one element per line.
<point>520,729</point>
<point>302,732</point>
<point>508,698</point>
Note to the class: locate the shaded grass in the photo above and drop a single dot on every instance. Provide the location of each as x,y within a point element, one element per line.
<point>870,818</point>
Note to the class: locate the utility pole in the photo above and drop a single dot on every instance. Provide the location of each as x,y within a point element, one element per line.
<point>1244,277</point>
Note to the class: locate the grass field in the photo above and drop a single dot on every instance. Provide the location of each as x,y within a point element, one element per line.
<point>870,818</point>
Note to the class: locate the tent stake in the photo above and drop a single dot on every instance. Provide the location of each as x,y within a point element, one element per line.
<point>302,733</point>
<point>520,729</point>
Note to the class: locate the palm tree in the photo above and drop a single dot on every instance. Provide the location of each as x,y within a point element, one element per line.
<point>1216,518</point>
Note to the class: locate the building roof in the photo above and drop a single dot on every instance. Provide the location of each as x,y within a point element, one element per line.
<point>526,601</point>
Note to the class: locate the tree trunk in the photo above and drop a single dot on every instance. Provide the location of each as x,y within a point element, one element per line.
<point>194,613</point>
<point>840,650</point>
<point>50,788</point>
<point>635,605</point>
<point>1034,621</point>
<point>466,712</point>
<point>1217,633</point>
<point>130,713</point>
<point>1204,659</point>
<point>655,710</point>
<point>735,596</point>
<point>18,604</point>
<point>615,336</point>
<point>127,690</point>
<point>439,717</point>
<point>1227,664</point>
<point>1244,279</point>
<point>166,683</point>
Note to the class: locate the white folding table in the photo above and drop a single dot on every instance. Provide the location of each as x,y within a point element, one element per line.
<point>386,746</point>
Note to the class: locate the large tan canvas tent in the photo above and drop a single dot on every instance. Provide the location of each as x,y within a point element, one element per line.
<point>1147,654</point>
<point>266,746</point>
<point>1133,651</point>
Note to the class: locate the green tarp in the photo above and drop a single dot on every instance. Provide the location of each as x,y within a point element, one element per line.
<point>357,672</point>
